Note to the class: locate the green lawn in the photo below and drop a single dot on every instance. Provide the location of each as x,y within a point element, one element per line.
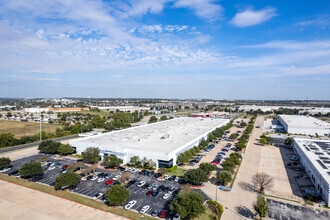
<point>74,197</point>
<point>177,172</point>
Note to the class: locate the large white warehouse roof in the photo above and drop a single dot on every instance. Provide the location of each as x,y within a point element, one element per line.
<point>162,137</point>
<point>302,121</point>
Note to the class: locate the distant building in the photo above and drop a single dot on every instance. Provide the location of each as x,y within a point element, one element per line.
<point>48,109</point>
<point>307,125</point>
<point>314,155</point>
<point>122,108</point>
<point>203,115</point>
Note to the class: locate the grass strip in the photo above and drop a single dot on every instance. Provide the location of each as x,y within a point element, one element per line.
<point>74,197</point>
<point>276,197</point>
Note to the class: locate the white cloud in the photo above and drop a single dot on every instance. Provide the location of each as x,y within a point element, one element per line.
<point>163,28</point>
<point>33,78</point>
<point>322,21</point>
<point>252,17</point>
<point>142,7</point>
<point>207,9</point>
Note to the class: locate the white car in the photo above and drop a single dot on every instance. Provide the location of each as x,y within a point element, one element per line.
<point>167,177</point>
<point>176,179</point>
<point>98,196</point>
<point>116,177</point>
<point>100,180</point>
<point>134,170</point>
<point>155,187</point>
<point>144,209</point>
<point>141,184</point>
<point>166,195</point>
<point>5,169</point>
<point>130,204</point>
<point>127,169</point>
<point>94,178</point>
<point>51,168</point>
<point>97,173</point>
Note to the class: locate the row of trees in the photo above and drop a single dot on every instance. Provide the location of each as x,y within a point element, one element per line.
<point>154,119</point>
<point>53,147</point>
<point>142,163</point>
<point>225,176</point>
<point>188,154</point>
<point>92,155</point>
<point>199,175</point>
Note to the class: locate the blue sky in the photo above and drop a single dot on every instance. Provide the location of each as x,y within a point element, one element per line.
<point>225,49</point>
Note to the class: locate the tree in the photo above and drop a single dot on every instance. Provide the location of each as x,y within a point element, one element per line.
<point>224,177</point>
<point>262,181</point>
<point>240,146</point>
<point>4,162</point>
<point>92,154</point>
<point>189,204</point>
<point>207,167</point>
<point>9,115</point>
<point>68,179</point>
<point>126,176</point>
<point>6,139</point>
<point>196,176</point>
<point>263,141</point>
<point>98,122</point>
<point>152,119</point>
<point>144,161</point>
<point>43,158</point>
<point>288,141</point>
<point>49,147</point>
<point>162,171</point>
<point>112,161</point>
<point>233,136</point>
<point>135,160</point>
<point>65,149</point>
<point>261,206</point>
<point>117,195</point>
<point>163,118</point>
<point>243,124</point>
<point>31,169</point>
<point>152,164</point>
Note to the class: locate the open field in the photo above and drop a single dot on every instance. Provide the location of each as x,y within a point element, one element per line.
<point>20,129</point>
<point>73,197</point>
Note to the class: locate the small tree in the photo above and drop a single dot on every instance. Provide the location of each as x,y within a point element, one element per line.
<point>261,206</point>
<point>207,167</point>
<point>67,179</point>
<point>4,162</point>
<point>189,204</point>
<point>65,149</point>
<point>49,147</point>
<point>152,164</point>
<point>126,176</point>
<point>43,158</point>
<point>196,176</point>
<point>224,177</point>
<point>262,181</point>
<point>117,195</point>
<point>263,141</point>
<point>243,124</point>
<point>162,171</point>
<point>240,146</point>
<point>92,154</point>
<point>153,119</point>
<point>135,160</point>
<point>112,161</point>
<point>31,169</point>
<point>144,161</point>
<point>72,168</point>
<point>288,141</point>
<point>233,136</point>
<point>163,118</point>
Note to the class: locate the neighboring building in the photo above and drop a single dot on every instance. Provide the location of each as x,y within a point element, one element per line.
<point>161,142</point>
<point>202,115</point>
<point>122,108</point>
<point>307,125</point>
<point>48,109</point>
<point>314,155</point>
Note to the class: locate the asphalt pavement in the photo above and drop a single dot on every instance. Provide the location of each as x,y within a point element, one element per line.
<point>34,144</point>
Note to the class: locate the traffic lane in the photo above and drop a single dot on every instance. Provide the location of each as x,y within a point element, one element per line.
<point>19,147</point>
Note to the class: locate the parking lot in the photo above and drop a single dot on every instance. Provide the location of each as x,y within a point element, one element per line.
<point>90,188</point>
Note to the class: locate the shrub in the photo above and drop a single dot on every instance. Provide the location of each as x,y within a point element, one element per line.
<point>4,162</point>
<point>173,168</point>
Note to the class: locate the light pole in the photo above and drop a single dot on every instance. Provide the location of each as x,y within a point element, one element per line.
<point>40,126</point>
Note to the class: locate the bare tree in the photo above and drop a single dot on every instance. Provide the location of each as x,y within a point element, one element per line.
<point>126,176</point>
<point>262,181</point>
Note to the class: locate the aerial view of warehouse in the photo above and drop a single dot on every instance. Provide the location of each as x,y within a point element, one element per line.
<point>161,142</point>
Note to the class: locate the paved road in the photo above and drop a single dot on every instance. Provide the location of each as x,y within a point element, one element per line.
<point>19,147</point>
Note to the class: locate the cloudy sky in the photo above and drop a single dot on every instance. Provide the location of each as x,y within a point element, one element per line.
<point>275,49</point>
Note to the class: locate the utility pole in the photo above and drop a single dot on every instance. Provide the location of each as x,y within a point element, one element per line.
<point>40,126</point>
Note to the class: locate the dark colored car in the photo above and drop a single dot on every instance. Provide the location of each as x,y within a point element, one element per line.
<point>149,193</point>
<point>14,172</point>
<point>160,188</point>
<point>89,177</point>
<point>35,178</point>
<point>155,213</point>
<point>155,193</point>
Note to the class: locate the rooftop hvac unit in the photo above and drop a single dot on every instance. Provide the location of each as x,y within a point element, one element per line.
<point>165,136</point>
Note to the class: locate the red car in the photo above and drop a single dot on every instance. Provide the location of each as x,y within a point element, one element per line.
<point>65,166</point>
<point>149,193</point>
<point>163,214</point>
<point>108,182</point>
<point>224,149</point>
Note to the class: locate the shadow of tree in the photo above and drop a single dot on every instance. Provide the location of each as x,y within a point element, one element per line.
<point>244,211</point>
<point>215,181</point>
<point>247,186</point>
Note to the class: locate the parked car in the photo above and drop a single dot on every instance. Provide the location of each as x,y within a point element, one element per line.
<point>98,196</point>
<point>116,177</point>
<point>155,212</point>
<point>130,204</point>
<point>155,187</point>
<point>109,182</point>
<point>155,193</point>
<point>141,183</point>
<point>100,180</point>
<point>167,195</point>
<point>144,209</point>
<point>163,214</point>
<point>176,217</point>
<point>149,193</point>
<point>5,169</point>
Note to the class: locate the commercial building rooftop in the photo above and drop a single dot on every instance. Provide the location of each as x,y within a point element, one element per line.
<point>302,121</point>
<point>162,137</point>
<point>318,152</point>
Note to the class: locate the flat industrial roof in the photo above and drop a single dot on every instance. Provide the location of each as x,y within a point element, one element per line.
<point>163,137</point>
<point>318,152</point>
<point>302,121</point>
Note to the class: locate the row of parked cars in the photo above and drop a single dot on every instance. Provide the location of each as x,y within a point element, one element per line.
<point>196,160</point>
<point>159,213</point>
<point>221,154</point>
